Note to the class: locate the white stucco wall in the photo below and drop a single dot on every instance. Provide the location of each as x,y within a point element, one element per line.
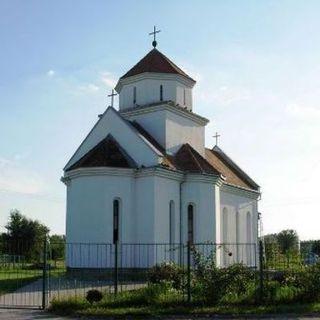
<point>234,230</point>
<point>154,123</point>
<point>148,92</point>
<point>172,130</point>
<point>202,196</point>
<point>180,130</point>
<point>90,218</point>
<point>144,218</point>
<point>123,133</point>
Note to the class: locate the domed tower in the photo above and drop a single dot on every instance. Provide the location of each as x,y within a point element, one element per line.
<point>157,94</point>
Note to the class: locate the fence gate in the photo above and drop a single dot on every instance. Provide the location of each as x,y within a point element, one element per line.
<point>23,278</point>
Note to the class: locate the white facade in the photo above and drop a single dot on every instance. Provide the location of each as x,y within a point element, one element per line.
<point>149,88</point>
<point>157,204</point>
<point>170,126</point>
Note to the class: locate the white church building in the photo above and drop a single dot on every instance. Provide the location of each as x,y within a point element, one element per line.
<point>144,176</point>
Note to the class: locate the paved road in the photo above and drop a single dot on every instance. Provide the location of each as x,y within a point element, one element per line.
<point>31,294</point>
<point>6,314</point>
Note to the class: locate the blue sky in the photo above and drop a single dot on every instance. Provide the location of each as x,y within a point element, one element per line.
<point>257,69</point>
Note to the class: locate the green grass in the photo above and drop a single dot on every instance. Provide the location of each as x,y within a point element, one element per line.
<point>158,300</point>
<point>14,277</point>
<point>79,307</point>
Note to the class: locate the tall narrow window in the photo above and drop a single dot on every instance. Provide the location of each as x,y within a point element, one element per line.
<point>238,251</point>
<point>184,97</point>
<point>249,239</point>
<point>190,224</point>
<point>134,95</point>
<point>171,223</point>
<point>249,228</point>
<point>225,226</point>
<point>116,219</point>
<point>171,230</point>
<point>224,237</point>
<point>161,92</point>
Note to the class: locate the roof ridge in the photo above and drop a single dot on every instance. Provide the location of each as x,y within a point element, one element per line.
<point>155,61</point>
<point>190,149</point>
<point>234,167</point>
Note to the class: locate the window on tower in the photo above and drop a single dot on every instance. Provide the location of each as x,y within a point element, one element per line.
<point>134,95</point>
<point>161,92</point>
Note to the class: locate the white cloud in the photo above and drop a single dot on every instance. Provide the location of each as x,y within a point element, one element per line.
<point>51,73</point>
<point>14,177</point>
<point>89,88</point>
<point>224,95</point>
<point>303,112</point>
<point>108,79</point>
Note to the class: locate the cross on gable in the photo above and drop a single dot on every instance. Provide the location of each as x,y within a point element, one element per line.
<point>216,136</point>
<point>155,31</point>
<point>112,95</point>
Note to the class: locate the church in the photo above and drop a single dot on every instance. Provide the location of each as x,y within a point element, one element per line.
<point>143,174</point>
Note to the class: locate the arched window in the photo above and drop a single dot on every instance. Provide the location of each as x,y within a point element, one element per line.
<point>161,92</point>
<point>249,239</point>
<point>225,226</point>
<point>190,224</point>
<point>249,228</point>
<point>116,220</point>
<point>171,223</point>
<point>224,237</point>
<point>134,95</point>
<point>171,230</point>
<point>238,251</point>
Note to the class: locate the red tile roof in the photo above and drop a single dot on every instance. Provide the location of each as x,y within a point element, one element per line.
<point>188,159</point>
<point>156,62</point>
<point>232,173</point>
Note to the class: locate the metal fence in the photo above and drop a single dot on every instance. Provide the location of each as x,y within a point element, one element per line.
<point>46,271</point>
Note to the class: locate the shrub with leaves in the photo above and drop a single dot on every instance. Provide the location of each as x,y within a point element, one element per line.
<point>309,280</point>
<point>94,296</point>
<point>211,284</point>
<point>167,272</point>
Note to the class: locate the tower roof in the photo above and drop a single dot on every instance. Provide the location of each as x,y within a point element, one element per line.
<point>155,62</point>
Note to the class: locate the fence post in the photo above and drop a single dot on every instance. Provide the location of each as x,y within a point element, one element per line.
<point>260,270</point>
<point>116,267</point>
<point>44,275</point>
<point>189,271</point>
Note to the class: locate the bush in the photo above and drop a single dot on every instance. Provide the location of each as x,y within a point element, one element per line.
<point>94,296</point>
<point>309,281</point>
<point>167,272</point>
<point>212,284</point>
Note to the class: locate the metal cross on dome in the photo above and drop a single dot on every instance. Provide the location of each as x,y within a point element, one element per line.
<point>155,31</point>
<point>217,137</point>
<point>112,95</point>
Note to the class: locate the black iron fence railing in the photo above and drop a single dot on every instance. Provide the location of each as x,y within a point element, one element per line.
<point>34,273</point>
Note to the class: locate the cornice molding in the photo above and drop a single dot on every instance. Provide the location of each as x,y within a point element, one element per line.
<point>98,171</point>
<point>144,172</point>
<point>240,191</point>
<point>203,178</point>
<point>154,76</point>
<point>164,107</point>
<point>160,172</point>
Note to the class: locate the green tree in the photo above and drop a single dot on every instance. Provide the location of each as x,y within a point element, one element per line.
<point>57,247</point>
<point>288,241</point>
<point>316,247</point>
<point>24,236</point>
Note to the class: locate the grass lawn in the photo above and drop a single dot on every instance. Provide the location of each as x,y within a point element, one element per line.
<point>16,277</point>
<point>11,280</point>
<point>85,309</point>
